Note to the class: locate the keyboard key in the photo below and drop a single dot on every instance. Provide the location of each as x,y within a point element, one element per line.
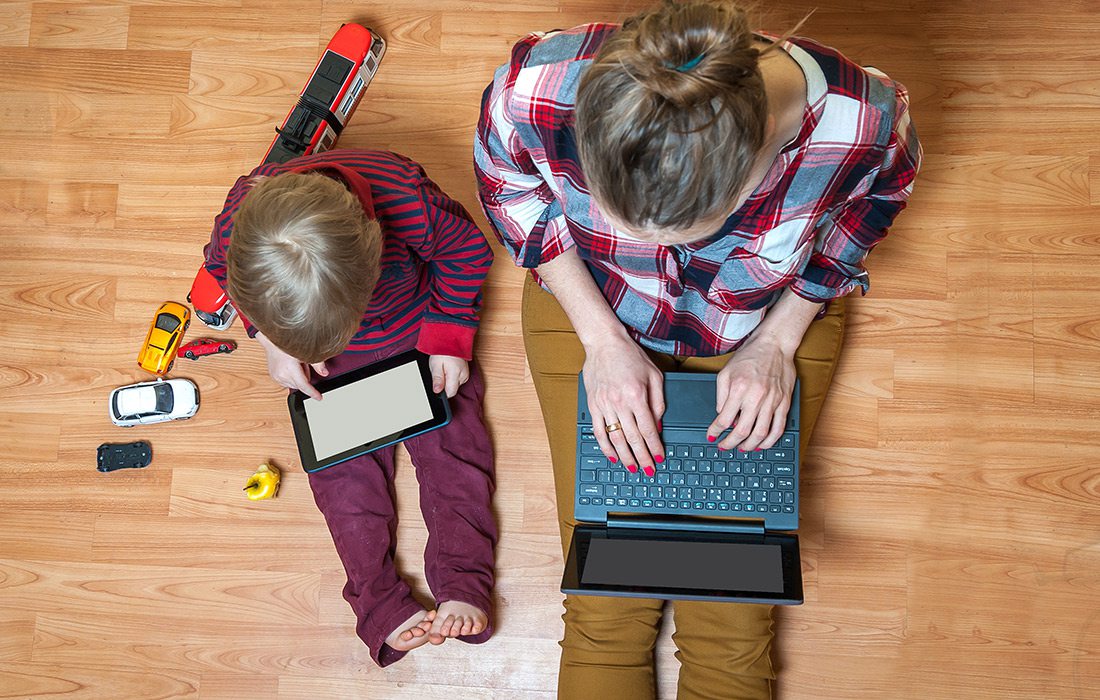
<point>635,478</point>
<point>704,465</point>
<point>764,468</point>
<point>788,496</point>
<point>734,467</point>
<point>750,507</point>
<point>634,503</point>
<point>641,491</point>
<point>585,500</point>
<point>594,462</point>
<point>683,451</point>
<point>588,436</point>
<point>591,490</point>
<point>783,470</point>
<point>670,451</point>
<point>737,482</point>
<point>737,506</point>
<point>618,476</point>
<point>698,505</point>
<point>590,448</point>
<point>588,475</point>
<point>714,494</point>
<point>729,495</point>
<point>775,497</point>
<point>780,455</point>
<point>723,506</point>
<point>712,453</point>
<point>621,502</point>
<point>675,465</point>
<point>604,476</point>
<point>685,492</point>
<point>711,506</point>
<point>692,479</point>
<point>722,481</point>
<point>685,505</point>
<point>719,467</point>
<point>749,468</point>
<point>679,479</point>
<point>699,494</point>
<point>663,478</point>
<point>760,496</point>
<point>673,505</point>
<point>690,465</point>
<point>611,490</point>
<point>752,482</point>
<point>774,509</point>
<point>786,442</point>
<point>706,480</point>
<point>628,491</point>
<point>744,495</point>
<point>767,482</point>
<point>785,483</point>
<point>788,509</point>
<point>647,503</point>
<point>659,504</point>
<point>699,452</point>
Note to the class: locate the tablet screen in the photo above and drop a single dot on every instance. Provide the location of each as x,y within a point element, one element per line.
<point>367,410</point>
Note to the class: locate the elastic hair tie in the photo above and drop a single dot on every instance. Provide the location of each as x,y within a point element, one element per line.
<point>685,67</point>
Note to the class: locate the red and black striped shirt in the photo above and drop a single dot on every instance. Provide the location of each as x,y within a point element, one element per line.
<point>434,258</point>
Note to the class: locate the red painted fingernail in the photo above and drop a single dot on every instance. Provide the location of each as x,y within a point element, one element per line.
<point>649,471</point>
<point>614,460</point>
<point>658,458</point>
<point>711,438</point>
<point>660,425</point>
<point>632,469</point>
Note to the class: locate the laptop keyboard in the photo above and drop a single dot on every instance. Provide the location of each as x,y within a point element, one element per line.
<point>693,478</point>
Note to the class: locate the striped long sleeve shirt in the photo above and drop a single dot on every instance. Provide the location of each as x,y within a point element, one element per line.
<point>434,258</point>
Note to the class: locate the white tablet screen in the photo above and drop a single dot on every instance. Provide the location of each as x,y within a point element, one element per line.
<point>366,410</point>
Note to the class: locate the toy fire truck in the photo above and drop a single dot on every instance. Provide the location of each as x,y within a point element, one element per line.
<point>324,107</point>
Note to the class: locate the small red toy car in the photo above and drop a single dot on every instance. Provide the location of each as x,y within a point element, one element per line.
<point>206,346</point>
<point>211,303</point>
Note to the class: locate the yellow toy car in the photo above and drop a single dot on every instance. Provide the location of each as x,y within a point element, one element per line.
<point>165,334</point>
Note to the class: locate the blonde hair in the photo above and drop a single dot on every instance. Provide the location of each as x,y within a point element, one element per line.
<point>303,261</point>
<point>671,114</point>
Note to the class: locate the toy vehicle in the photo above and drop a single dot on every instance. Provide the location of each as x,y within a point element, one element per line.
<point>330,96</point>
<point>211,303</point>
<point>158,354</point>
<point>130,455</point>
<point>153,402</point>
<point>195,349</point>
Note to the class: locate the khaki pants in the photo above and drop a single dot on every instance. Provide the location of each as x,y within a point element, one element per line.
<point>607,652</point>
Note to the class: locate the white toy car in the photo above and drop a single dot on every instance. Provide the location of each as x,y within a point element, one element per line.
<point>153,402</point>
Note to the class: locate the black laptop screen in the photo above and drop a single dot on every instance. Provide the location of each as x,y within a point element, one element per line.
<point>684,565</point>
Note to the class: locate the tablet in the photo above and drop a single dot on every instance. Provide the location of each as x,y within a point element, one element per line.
<point>684,565</point>
<point>366,409</point>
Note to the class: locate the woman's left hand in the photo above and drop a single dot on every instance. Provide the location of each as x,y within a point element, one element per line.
<point>448,373</point>
<point>754,396</point>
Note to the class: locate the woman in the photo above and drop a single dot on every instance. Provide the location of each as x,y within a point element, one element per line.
<point>693,196</point>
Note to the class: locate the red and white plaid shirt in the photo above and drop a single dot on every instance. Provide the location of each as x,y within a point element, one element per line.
<point>827,200</point>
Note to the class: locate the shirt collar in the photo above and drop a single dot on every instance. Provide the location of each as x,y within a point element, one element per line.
<point>816,91</point>
<point>355,182</point>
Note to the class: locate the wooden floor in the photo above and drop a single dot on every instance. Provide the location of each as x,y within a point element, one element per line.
<point>951,515</point>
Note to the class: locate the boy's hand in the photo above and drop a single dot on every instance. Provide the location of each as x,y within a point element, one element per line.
<point>448,373</point>
<point>288,371</point>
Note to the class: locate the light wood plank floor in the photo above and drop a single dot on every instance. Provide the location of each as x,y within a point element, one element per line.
<point>951,522</point>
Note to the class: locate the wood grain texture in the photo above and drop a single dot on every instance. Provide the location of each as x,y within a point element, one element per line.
<point>950,496</point>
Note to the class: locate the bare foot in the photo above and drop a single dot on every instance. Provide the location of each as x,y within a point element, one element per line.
<point>413,632</point>
<point>455,618</point>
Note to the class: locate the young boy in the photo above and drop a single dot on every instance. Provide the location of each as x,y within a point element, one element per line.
<point>337,260</point>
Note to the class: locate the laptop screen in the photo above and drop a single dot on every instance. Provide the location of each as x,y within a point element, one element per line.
<point>693,565</point>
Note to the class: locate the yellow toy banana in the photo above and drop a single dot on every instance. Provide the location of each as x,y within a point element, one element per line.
<point>263,484</point>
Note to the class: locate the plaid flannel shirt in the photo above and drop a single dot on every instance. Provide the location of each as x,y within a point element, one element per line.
<point>828,198</point>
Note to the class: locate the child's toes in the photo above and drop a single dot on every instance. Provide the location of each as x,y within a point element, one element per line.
<point>467,626</point>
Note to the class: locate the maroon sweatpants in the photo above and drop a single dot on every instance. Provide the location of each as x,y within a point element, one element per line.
<point>454,466</point>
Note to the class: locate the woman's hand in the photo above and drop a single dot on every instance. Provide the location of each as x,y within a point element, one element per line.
<point>448,372</point>
<point>754,396</point>
<point>288,371</point>
<point>625,389</point>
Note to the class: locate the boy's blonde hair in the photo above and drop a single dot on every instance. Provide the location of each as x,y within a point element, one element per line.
<point>671,114</point>
<point>303,262</point>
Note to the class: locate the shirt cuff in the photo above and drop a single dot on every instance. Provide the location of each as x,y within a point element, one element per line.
<point>820,285</point>
<point>440,338</point>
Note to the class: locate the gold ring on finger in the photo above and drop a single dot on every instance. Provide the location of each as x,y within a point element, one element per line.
<point>612,427</point>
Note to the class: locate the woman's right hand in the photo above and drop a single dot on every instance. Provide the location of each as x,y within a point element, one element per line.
<point>626,389</point>
<point>288,371</point>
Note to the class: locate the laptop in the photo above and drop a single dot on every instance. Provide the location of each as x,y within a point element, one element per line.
<point>711,524</point>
